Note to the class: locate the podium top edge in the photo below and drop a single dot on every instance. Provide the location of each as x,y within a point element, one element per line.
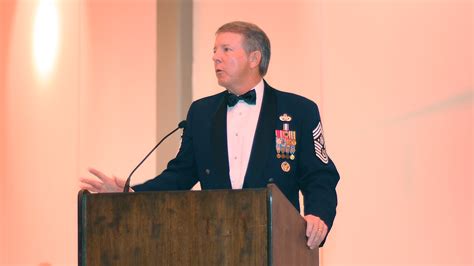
<point>86,193</point>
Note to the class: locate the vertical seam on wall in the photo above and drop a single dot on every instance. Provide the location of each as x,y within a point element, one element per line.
<point>321,83</point>
<point>79,77</point>
<point>321,54</point>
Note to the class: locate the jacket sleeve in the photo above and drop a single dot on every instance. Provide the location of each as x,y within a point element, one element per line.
<point>318,174</point>
<point>180,173</point>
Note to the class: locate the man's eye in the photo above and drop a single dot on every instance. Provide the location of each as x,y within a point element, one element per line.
<point>227,49</point>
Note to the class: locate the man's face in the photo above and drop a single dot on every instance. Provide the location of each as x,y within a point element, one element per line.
<point>231,61</point>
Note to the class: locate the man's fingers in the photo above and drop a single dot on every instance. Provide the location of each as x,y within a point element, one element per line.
<point>312,237</point>
<point>84,184</point>
<point>309,227</point>
<point>92,182</point>
<point>88,187</point>
<point>316,231</point>
<point>119,182</point>
<point>99,174</point>
<point>318,237</point>
<point>102,183</point>
<point>321,235</point>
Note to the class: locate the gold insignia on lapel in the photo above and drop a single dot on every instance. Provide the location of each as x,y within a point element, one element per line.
<point>285,166</point>
<point>285,118</point>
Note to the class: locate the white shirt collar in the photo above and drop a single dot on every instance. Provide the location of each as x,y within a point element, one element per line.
<point>259,89</point>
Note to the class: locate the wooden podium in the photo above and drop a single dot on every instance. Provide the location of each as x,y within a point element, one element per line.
<point>211,227</point>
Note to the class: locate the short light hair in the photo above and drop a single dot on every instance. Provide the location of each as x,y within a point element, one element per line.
<point>255,39</point>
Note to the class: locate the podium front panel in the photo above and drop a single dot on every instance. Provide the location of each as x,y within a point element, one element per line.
<point>220,227</point>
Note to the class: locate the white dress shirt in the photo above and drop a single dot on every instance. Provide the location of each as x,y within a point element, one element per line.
<point>242,121</point>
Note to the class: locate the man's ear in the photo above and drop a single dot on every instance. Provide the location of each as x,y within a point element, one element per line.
<point>255,58</point>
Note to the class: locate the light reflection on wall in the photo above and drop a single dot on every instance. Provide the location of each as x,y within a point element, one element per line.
<point>45,37</point>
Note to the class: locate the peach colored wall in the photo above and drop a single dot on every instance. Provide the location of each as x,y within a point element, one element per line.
<point>6,11</point>
<point>118,87</point>
<point>97,107</point>
<point>394,81</point>
<point>398,91</point>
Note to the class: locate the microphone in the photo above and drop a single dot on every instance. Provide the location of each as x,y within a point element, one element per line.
<point>181,124</point>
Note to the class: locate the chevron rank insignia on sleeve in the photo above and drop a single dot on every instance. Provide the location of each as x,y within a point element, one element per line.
<point>319,145</point>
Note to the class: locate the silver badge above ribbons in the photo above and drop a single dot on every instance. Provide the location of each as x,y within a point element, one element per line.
<point>285,118</point>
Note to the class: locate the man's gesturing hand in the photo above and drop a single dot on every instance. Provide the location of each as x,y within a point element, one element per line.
<point>102,183</point>
<point>316,231</point>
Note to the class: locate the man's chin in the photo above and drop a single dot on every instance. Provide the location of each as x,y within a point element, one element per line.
<point>222,83</point>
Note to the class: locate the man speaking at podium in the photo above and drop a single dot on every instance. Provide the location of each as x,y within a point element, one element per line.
<point>249,135</point>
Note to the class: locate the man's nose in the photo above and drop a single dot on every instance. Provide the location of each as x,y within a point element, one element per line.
<point>216,58</point>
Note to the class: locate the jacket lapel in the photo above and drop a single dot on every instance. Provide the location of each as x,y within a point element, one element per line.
<point>219,144</point>
<point>263,140</point>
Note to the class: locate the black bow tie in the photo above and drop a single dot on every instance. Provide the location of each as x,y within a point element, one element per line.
<point>250,97</point>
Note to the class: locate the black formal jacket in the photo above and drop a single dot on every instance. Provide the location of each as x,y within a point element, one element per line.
<point>203,153</point>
